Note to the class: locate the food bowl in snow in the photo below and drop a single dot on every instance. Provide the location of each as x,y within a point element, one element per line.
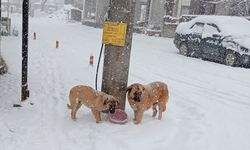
<point>119,117</point>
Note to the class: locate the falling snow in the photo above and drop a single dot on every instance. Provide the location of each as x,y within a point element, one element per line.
<point>208,107</point>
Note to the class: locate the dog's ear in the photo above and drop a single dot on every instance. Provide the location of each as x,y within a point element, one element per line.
<point>129,89</point>
<point>143,88</point>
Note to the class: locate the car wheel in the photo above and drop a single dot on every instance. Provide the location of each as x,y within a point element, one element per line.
<point>183,49</point>
<point>230,59</point>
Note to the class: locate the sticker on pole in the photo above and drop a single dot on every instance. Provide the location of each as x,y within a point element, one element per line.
<point>114,33</point>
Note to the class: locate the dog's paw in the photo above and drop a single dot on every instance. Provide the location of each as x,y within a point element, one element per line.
<point>98,122</point>
<point>136,122</point>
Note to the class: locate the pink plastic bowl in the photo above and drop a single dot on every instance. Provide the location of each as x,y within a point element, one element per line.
<point>119,117</point>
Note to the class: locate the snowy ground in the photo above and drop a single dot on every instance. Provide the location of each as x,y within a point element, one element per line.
<point>209,107</point>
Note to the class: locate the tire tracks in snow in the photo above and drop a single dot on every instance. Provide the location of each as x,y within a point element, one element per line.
<point>48,94</point>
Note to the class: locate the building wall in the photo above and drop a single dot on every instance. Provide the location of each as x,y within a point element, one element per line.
<point>232,7</point>
<point>220,7</point>
<point>137,11</point>
<point>101,10</point>
<point>210,8</point>
<point>141,8</point>
<point>177,8</point>
<point>181,7</point>
<point>195,7</point>
<point>156,12</point>
<point>185,6</point>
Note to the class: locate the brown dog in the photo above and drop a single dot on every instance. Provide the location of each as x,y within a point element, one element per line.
<point>142,97</point>
<point>95,100</point>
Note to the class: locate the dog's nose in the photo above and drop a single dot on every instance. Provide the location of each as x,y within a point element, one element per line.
<point>137,97</point>
<point>112,109</point>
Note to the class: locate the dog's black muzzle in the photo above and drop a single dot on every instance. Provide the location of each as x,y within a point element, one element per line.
<point>112,109</point>
<point>137,96</point>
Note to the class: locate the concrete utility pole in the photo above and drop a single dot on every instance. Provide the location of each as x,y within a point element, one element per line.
<point>25,33</point>
<point>116,58</point>
<point>0,26</point>
<point>8,17</point>
<point>148,11</point>
<point>247,7</point>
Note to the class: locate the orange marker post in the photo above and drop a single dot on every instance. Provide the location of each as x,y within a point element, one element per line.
<point>57,44</point>
<point>91,60</point>
<point>34,36</point>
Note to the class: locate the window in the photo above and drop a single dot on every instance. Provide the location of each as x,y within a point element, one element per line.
<point>209,30</point>
<point>197,28</point>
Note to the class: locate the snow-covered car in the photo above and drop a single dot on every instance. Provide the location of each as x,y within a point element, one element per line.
<point>224,39</point>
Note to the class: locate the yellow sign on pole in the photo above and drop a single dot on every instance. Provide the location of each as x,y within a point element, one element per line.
<point>114,33</point>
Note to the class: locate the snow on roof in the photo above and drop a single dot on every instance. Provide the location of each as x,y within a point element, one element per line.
<point>69,7</point>
<point>11,1</point>
<point>143,0</point>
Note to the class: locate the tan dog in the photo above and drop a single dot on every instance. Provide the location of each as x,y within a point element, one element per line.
<point>95,100</point>
<point>142,97</point>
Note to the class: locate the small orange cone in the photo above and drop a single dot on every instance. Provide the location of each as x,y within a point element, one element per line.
<point>34,36</point>
<point>57,44</point>
<point>91,60</point>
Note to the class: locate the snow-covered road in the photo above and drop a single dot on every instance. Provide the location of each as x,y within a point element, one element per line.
<point>209,107</point>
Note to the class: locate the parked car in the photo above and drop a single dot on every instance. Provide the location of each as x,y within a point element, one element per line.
<point>223,39</point>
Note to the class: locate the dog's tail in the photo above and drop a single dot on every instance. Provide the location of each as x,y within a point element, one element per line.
<point>69,106</point>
